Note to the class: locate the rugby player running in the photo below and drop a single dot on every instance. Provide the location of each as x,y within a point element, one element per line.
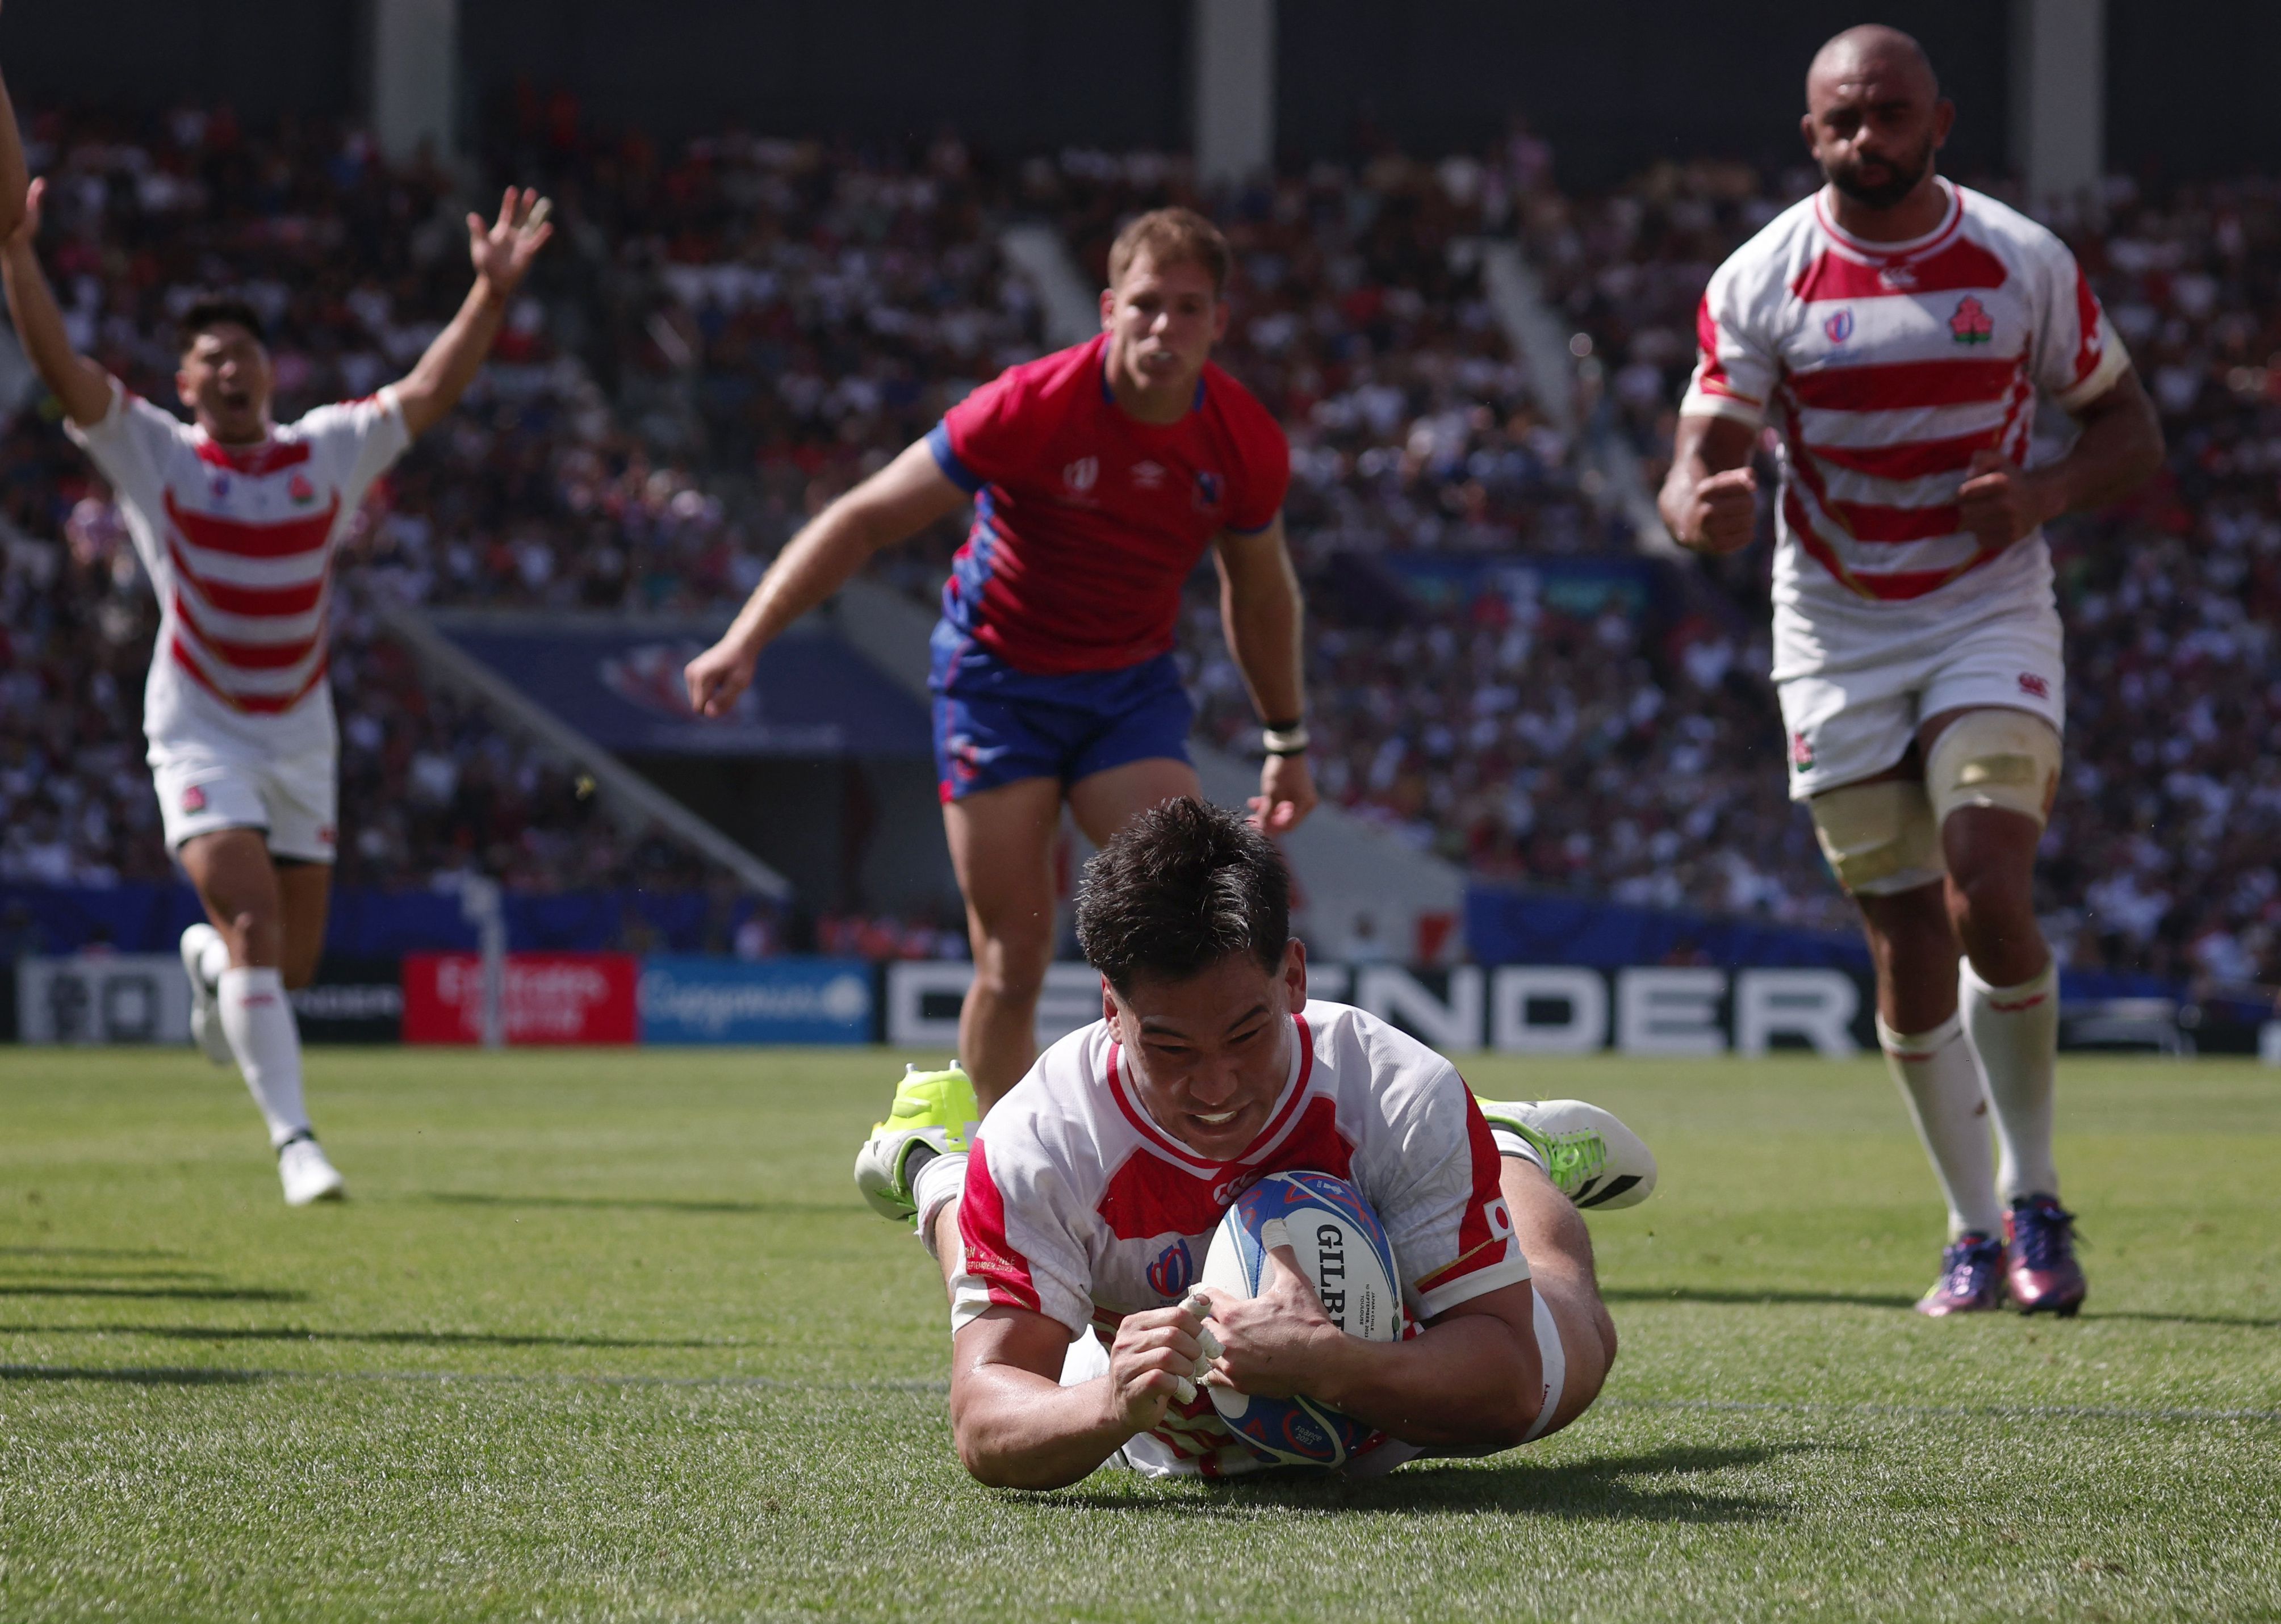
<point>1093,1191</point>
<point>1100,475</point>
<point>1897,331</point>
<point>236,519</point>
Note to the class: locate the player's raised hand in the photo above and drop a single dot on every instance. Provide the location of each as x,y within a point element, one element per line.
<point>2001,502</point>
<point>1723,514</point>
<point>1155,1352</point>
<point>502,251</point>
<point>718,677</point>
<point>1286,794</point>
<point>1271,1346</point>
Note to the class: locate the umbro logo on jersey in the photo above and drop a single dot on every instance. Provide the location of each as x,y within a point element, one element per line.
<point>1971,323</point>
<point>1081,475</point>
<point>1149,475</point>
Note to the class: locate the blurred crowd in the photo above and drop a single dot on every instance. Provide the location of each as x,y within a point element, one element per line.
<point>731,333</point>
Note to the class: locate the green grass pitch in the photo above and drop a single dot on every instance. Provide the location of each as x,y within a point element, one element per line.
<point>608,1335</point>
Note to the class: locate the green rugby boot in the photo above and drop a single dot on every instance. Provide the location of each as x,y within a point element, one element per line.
<point>1591,1159</point>
<point>933,1115</point>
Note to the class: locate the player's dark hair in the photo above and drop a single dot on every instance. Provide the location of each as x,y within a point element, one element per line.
<point>1171,236</point>
<point>1177,890</point>
<point>210,313</point>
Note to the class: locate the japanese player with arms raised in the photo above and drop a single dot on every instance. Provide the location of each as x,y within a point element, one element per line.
<point>235,518</point>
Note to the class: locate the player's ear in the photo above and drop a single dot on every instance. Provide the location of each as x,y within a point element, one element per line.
<point>1294,975</point>
<point>183,392</point>
<point>1944,119</point>
<point>1108,307</point>
<point>1805,132</point>
<point>1219,318</point>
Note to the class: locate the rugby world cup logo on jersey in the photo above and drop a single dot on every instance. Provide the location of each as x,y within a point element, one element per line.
<point>1208,489</point>
<point>1840,327</point>
<point>1081,476</point>
<point>1174,1268</point>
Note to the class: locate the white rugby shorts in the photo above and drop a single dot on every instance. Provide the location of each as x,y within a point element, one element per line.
<point>294,799</point>
<point>1851,719</point>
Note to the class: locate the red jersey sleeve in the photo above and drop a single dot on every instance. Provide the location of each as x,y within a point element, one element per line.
<point>977,442</point>
<point>1263,464</point>
<point>1015,1227</point>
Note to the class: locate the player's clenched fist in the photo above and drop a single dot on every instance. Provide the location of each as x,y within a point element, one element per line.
<point>1723,514</point>
<point>2000,501</point>
<point>1154,1353</point>
<point>718,677</point>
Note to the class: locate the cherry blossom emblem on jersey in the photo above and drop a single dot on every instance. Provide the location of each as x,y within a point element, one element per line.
<point>1971,323</point>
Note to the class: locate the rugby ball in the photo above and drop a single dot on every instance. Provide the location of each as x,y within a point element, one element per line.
<point>1341,1249</point>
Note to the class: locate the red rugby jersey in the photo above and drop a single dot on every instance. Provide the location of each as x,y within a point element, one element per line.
<point>1086,520</point>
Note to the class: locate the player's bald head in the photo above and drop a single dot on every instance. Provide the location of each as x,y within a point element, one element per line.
<point>1871,51</point>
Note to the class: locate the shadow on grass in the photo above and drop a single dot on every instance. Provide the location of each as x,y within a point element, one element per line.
<point>295,1334</point>
<point>2151,1318</point>
<point>1604,1488</point>
<point>85,1251</point>
<point>1745,1297</point>
<point>636,1204</point>
<point>187,1293</point>
<point>151,1376</point>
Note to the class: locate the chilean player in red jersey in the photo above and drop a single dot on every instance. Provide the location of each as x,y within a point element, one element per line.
<point>236,519</point>
<point>1093,1191</point>
<point>1896,330</point>
<point>1100,475</point>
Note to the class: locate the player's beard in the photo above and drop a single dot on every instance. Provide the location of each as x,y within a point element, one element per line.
<point>1846,178</point>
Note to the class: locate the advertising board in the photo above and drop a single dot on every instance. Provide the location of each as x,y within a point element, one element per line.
<point>691,999</point>
<point>103,998</point>
<point>550,998</point>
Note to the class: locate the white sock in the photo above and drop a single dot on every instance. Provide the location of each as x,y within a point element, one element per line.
<point>934,1186</point>
<point>212,954</point>
<point>1940,1082</point>
<point>259,1021</point>
<point>2016,1031</point>
<point>1510,1143</point>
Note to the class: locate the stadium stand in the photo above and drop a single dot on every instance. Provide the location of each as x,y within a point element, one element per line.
<point>738,330</point>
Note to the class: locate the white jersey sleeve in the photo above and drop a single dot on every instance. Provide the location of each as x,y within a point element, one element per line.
<point>357,440</point>
<point>131,445</point>
<point>2078,354</point>
<point>1020,1224</point>
<point>1738,364</point>
<point>1430,1169</point>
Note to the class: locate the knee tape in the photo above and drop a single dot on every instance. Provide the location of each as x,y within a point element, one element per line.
<point>1879,837</point>
<point>1994,758</point>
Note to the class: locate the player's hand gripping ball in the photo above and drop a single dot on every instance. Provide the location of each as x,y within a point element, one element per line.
<point>1342,1253</point>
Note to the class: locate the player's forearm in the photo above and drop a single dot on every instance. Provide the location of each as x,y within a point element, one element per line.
<point>15,177</point>
<point>1465,1384</point>
<point>814,565</point>
<point>1017,1430</point>
<point>433,386</point>
<point>1263,616</point>
<point>2119,450</point>
<point>83,387</point>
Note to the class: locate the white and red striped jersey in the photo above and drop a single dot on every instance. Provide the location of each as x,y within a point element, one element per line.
<point>239,543</point>
<point>1078,1206</point>
<point>1883,366</point>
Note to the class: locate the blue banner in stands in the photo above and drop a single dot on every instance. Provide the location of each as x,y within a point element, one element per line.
<point>689,999</point>
<point>621,685</point>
